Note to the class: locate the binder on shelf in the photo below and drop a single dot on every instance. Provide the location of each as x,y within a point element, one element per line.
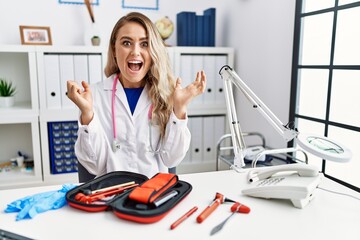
<point>66,63</point>
<point>95,68</point>
<point>196,30</point>
<point>211,12</point>
<point>187,158</point>
<point>197,64</point>
<point>81,72</point>
<point>211,77</point>
<point>186,69</point>
<point>182,27</point>
<point>219,130</point>
<point>52,81</point>
<point>196,145</point>
<point>209,145</point>
<point>199,31</point>
<point>221,60</point>
<point>206,30</point>
<point>192,29</point>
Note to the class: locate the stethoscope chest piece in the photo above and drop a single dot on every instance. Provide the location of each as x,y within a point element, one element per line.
<point>115,145</point>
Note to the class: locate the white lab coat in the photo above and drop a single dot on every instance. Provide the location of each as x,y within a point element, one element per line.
<point>93,147</point>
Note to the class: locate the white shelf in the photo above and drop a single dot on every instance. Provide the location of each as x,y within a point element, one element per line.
<point>206,109</point>
<point>59,115</point>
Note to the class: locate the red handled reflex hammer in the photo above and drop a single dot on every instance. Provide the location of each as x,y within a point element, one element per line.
<point>219,199</point>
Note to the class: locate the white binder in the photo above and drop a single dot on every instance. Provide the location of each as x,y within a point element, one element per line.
<point>52,81</point>
<point>211,77</point>
<point>221,60</point>
<point>196,140</point>
<point>209,146</point>
<point>81,72</point>
<point>219,129</point>
<point>66,73</point>
<point>185,69</point>
<point>95,68</point>
<point>197,65</point>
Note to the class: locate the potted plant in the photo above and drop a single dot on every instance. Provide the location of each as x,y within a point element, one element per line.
<point>95,40</point>
<point>7,92</point>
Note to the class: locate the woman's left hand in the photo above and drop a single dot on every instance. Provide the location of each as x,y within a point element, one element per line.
<point>183,96</point>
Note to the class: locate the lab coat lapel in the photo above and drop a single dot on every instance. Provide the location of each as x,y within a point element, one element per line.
<point>119,94</point>
<point>143,103</point>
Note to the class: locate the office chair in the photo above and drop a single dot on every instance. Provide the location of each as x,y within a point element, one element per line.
<point>83,174</point>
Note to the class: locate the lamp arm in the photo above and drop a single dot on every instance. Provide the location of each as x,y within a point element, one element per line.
<point>231,78</point>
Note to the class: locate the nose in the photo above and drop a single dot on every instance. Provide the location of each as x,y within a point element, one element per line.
<point>136,50</point>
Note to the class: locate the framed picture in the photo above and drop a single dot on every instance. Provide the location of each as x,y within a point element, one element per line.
<point>141,4</point>
<point>32,35</point>
<point>96,2</point>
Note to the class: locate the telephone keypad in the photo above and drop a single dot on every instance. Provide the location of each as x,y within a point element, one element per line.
<point>270,181</point>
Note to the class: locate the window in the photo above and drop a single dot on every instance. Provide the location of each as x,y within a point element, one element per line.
<point>326,80</point>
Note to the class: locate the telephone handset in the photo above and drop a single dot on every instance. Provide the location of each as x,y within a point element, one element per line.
<point>296,182</point>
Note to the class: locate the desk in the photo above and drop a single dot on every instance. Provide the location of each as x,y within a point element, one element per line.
<point>328,216</point>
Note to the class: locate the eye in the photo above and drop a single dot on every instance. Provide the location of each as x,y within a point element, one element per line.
<point>145,44</point>
<point>126,43</point>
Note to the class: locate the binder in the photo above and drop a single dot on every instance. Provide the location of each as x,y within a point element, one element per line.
<point>191,29</point>
<point>66,73</point>
<point>209,145</point>
<point>185,70</point>
<point>196,140</point>
<point>81,68</point>
<point>211,12</point>
<point>206,30</point>
<point>95,68</point>
<point>181,26</point>
<point>197,63</point>
<point>52,81</point>
<point>219,129</point>
<point>187,158</point>
<point>185,22</point>
<point>211,78</point>
<point>199,30</point>
<point>220,61</point>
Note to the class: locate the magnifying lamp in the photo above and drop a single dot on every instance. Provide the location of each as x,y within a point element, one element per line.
<point>320,146</point>
<point>324,147</point>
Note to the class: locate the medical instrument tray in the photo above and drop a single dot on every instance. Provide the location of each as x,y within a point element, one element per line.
<point>121,204</point>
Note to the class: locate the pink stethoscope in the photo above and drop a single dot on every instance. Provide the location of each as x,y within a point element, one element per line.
<point>116,143</point>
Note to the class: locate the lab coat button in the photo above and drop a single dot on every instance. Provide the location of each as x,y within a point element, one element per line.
<point>174,122</point>
<point>86,131</point>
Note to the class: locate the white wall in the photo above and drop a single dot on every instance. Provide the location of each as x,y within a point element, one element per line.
<point>261,31</point>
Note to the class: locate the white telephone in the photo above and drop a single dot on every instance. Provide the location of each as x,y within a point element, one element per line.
<point>296,182</point>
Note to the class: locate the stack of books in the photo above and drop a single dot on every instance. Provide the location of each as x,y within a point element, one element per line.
<point>196,30</point>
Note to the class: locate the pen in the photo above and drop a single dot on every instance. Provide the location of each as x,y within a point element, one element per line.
<point>185,216</point>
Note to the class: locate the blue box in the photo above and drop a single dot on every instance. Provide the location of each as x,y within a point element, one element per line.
<point>62,137</point>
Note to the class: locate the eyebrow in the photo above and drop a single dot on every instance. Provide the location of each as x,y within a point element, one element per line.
<point>129,38</point>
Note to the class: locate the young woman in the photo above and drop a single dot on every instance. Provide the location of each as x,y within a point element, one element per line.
<point>135,120</point>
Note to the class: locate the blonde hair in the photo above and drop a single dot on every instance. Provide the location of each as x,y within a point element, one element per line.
<point>159,78</point>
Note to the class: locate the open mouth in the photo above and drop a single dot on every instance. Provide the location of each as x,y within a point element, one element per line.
<point>135,65</point>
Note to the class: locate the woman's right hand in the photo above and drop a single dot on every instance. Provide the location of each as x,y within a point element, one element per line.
<point>82,99</point>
